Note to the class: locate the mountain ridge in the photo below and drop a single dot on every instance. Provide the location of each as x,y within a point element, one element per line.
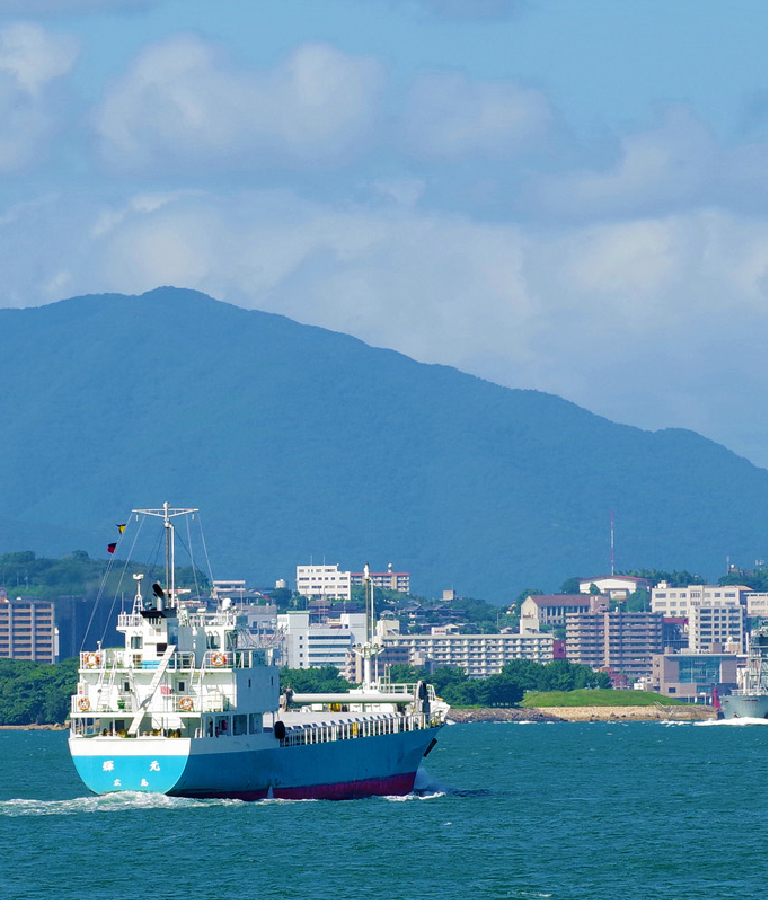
<point>317,444</point>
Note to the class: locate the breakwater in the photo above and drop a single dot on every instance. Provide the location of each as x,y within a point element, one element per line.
<point>585,714</point>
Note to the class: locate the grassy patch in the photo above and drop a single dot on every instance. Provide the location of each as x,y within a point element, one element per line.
<point>535,699</point>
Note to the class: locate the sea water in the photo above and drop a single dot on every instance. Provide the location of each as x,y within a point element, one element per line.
<point>602,811</point>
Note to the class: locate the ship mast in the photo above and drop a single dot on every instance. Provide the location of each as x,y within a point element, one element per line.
<point>166,514</point>
<point>369,647</point>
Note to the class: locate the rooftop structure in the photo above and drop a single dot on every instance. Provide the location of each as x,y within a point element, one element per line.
<point>614,585</point>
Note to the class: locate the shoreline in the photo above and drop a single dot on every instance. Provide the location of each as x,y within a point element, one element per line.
<point>34,727</point>
<point>681,713</point>
<point>584,714</point>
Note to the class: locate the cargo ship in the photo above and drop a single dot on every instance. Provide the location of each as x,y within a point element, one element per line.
<point>750,700</point>
<point>191,706</point>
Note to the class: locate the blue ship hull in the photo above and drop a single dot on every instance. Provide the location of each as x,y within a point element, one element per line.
<point>201,768</point>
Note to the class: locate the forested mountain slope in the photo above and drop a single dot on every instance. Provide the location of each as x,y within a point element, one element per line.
<point>299,443</point>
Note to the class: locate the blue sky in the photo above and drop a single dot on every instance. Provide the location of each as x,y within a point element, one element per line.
<point>566,196</point>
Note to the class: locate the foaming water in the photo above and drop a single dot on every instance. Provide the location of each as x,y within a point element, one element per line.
<point>119,801</point>
<point>425,795</point>
<point>733,723</point>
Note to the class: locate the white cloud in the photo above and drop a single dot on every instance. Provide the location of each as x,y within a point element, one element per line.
<point>448,116</point>
<point>653,320</point>
<point>182,104</point>
<point>32,61</point>
<point>642,321</point>
<point>677,165</point>
<point>34,57</point>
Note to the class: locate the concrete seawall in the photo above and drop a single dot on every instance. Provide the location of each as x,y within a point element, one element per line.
<point>585,714</point>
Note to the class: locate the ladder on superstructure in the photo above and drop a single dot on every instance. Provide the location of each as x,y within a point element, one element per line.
<point>153,686</point>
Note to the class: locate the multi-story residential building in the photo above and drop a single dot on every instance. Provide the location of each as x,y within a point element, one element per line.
<point>625,641</point>
<point>479,655</point>
<point>719,623</point>
<point>688,676</point>
<point>676,601</point>
<point>308,646</point>
<point>323,582</point>
<point>393,581</point>
<point>27,629</point>
<point>614,585</point>
<point>549,610</point>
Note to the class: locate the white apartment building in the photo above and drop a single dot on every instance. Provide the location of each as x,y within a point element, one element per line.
<point>538,610</point>
<point>308,646</point>
<point>719,623</point>
<point>677,601</point>
<point>323,582</point>
<point>479,655</point>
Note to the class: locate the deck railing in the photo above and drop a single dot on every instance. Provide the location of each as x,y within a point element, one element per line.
<point>110,704</point>
<point>180,661</point>
<point>358,728</point>
<point>404,688</point>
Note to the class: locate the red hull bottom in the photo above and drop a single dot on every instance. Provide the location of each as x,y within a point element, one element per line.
<point>394,786</point>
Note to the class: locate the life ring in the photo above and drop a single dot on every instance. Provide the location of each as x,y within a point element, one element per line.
<point>185,704</point>
<point>218,659</point>
<point>83,705</point>
<point>92,659</point>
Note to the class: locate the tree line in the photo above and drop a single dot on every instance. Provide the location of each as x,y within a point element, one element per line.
<point>508,687</point>
<point>36,694</point>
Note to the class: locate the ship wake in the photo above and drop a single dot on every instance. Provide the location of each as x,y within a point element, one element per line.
<point>733,723</point>
<point>119,801</point>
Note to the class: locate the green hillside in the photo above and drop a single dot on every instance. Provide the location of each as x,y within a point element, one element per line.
<point>298,443</point>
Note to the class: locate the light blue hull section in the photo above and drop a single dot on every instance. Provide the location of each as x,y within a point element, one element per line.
<point>103,774</point>
<point>216,767</point>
